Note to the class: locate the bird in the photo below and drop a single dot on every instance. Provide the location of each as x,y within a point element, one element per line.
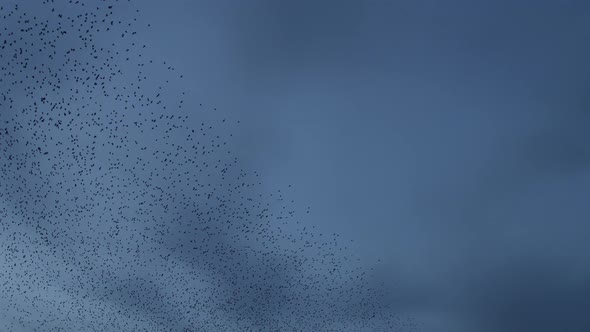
<point>119,212</point>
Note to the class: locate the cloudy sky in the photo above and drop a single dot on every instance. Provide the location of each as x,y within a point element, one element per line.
<point>446,141</point>
<point>447,138</point>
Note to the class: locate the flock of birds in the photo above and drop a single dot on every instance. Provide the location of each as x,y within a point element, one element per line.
<point>119,214</point>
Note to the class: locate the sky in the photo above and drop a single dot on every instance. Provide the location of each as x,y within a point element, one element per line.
<point>447,139</point>
<point>444,142</point>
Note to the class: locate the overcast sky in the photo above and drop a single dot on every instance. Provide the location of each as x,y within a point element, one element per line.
<point>447,139</point>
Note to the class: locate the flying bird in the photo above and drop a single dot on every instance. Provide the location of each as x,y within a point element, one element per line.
<point>118,212</point>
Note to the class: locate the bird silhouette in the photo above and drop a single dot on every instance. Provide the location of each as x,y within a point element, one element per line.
<point>119,213</point>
